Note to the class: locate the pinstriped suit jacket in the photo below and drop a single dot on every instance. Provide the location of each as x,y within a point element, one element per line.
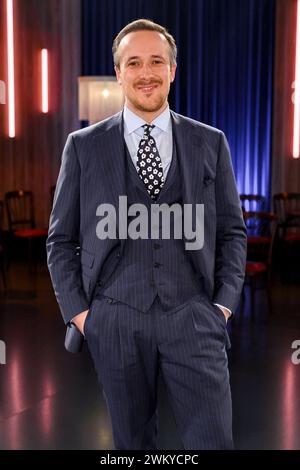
<point>93,172</point>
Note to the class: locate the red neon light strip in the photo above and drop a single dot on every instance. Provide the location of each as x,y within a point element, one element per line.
<point>11,67</point>
<point>296,150</point>
<point>45,102</point>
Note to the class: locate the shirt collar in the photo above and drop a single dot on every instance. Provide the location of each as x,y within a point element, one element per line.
<point>133,121</point>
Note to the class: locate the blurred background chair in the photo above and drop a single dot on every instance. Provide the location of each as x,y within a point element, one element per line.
<point>287,208</point>
<point>253,202</point>
<point>261,230</point>
<point>2,246</point>
<point>21,220</point>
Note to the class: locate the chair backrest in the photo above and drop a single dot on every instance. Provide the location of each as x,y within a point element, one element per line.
<point>253,202</point>
<point>1,221</point>
<point>20,209</point>
<point>1,215</point>
<point>287,208</point>
<point>261,229</point>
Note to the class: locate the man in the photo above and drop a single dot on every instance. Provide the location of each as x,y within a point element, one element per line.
<point>146,304</point>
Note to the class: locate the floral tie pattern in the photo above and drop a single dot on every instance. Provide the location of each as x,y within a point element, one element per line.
<point>149,164</point>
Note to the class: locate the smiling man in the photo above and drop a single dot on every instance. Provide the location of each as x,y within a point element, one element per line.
<point>145,66</point>
<point>146,304</point>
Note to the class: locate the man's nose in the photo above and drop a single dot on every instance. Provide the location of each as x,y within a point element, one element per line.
<point>146,71</point>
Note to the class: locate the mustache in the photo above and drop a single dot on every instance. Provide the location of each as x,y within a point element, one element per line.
<point>153,82</point>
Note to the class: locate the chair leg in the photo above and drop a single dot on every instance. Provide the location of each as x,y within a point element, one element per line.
<point>31,259</point>
<point>269,292</point>
<point>269,297</point>
<point>3,274</point>
<point>283,256</point>
<point>252,297</point>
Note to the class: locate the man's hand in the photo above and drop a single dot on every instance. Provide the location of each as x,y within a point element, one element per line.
<point>79,320</point>
<point>225,311</point>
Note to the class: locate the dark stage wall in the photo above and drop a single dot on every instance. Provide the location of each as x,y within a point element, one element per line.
<point>32,159</point>
<point>225,78</point>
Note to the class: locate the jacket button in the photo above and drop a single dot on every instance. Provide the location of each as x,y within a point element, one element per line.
<point>118,254</point>
<point>109,301</point>
<point>157,265</point>
<point>99,283</point>
<point>156,246</point>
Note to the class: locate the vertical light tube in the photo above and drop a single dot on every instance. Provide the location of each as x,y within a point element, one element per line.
<point>45,100</point>
<point>11,68</point>
<point>296,136</point>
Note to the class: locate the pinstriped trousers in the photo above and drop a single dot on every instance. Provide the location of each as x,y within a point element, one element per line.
<point>188,345</point>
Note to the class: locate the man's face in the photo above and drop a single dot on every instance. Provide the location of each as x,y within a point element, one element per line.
<point>144,70</point>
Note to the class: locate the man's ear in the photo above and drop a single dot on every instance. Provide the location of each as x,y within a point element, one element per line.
<point>118,74</point>
<point>173,70</point>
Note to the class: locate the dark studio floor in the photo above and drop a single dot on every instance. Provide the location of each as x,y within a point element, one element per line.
<point>50,399</point>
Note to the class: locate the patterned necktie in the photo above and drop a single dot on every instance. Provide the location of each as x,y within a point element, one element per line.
<point>149,165</point>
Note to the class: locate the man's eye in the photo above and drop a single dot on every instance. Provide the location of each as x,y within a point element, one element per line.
<point>157,61</point>
<point>132,64</point>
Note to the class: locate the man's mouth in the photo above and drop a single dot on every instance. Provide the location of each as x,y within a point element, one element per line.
<point>147,88</point>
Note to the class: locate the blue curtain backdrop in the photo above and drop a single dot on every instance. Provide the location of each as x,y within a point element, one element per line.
<point>224,68</point>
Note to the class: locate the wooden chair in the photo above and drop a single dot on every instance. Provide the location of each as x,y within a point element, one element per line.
<point>287,209</point>
<point>261,229</point>
<point>253,202</point>
<point>20,213</point>
<point>2,248</point>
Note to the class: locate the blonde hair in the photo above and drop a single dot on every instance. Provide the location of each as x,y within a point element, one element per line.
<point>142,25</point>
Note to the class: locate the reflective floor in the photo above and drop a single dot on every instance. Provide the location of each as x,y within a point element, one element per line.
<point>50,399</point>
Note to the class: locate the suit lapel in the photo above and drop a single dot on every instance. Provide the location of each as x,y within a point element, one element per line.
<point>189,152</point>
<point>111,155</point>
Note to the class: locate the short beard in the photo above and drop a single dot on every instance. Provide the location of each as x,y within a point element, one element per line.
<point>151,108</point>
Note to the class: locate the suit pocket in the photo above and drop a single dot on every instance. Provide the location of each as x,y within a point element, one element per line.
<point>206,317</point>
<point>87,258</point>
<point>88,318</point>
<point>219,314</point>
<point>222,318</point>
<point>85,323</point>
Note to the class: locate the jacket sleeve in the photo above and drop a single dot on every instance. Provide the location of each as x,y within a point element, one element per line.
<point>231,240</point>
<point>63,237</point>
